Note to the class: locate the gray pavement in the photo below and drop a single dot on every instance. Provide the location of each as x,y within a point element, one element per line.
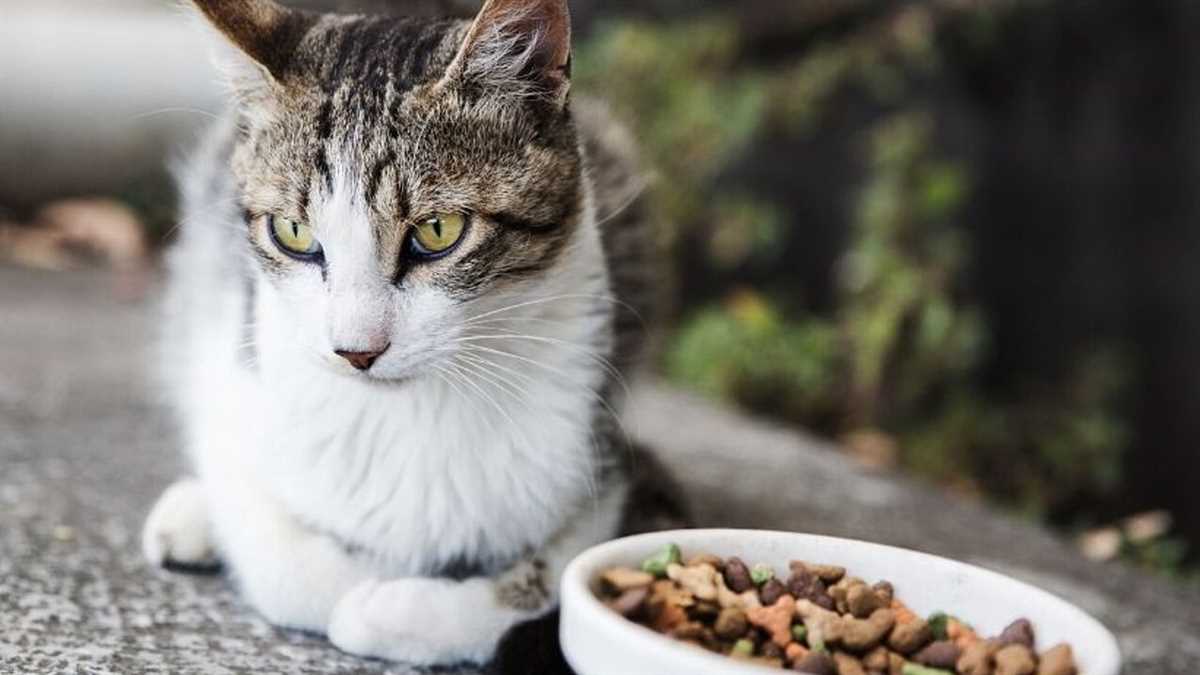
<point>85,448</point>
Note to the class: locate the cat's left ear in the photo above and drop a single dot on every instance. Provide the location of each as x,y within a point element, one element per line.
<point>518,45</point>
<point>263,34</point>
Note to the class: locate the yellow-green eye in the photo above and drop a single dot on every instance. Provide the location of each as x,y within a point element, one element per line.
<point>293,237</point>
<point>438,234</point>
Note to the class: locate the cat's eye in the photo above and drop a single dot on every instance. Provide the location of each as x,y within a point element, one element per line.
<point>436,235</point>
<point>293,237</point>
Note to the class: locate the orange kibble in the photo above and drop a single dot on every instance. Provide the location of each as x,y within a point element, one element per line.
<point>795,652</point>
<point>960,634</point>
<point>902,612</point>
<point>669,617</point>
<point>775,619</point>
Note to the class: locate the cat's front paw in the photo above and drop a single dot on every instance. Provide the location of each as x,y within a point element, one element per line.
<point>177,531</point>
<point>421,621</point>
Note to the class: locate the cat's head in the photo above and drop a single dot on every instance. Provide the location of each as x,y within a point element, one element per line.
<point>401,176</point>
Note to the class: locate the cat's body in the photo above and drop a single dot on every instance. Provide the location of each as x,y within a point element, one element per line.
<point>397,448</point>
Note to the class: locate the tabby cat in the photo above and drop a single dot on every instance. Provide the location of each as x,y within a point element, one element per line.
<point>409,277</point>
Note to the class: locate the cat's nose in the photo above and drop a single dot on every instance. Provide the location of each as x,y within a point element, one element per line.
<point>362,360</point>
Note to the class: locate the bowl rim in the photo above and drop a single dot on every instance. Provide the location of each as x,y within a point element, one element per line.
<point>577,594</point>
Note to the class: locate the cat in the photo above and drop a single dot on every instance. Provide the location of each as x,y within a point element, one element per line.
<point>411,273</point>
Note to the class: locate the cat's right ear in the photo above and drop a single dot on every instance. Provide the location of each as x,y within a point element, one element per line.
<point>264,33</point>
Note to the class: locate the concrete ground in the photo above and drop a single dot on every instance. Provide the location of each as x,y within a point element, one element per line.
<point>85,449</point>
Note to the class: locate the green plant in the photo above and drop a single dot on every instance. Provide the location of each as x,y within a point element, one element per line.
<point>902,351</point>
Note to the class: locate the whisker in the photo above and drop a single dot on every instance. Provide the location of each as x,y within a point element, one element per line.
<point>591,354</point>
<point>176,109</point>
<point>558,298</point>
<point>597,396</point>
<point>624,206</point>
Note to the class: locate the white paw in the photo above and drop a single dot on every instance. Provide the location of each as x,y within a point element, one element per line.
<point>177,530</point>
<point>421,621</point>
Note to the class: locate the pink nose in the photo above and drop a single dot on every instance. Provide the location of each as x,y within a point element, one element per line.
<point>362,360</point>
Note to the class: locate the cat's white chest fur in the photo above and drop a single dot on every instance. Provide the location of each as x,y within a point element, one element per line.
<point>431,472</point>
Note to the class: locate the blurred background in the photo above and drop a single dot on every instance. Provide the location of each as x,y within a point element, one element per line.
<point>960,237</point>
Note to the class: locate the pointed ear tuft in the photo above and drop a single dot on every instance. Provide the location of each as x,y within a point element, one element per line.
<point>522,46</point>
<point>264,30</point>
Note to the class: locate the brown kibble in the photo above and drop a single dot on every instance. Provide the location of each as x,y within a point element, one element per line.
<point>830,574</point>
<point>620,579</point>
<point>909,636</point>
<point>1014,659</point>
<point>1019,632</point>
<point>737,576</point>
<point>704,610</point>
<point>862,601</point>
<point>886,592</point>
<point>876,659</point>
<point>689,630</point>
<point>805,585</point>
<point>895,664</point>
<point>772,591</point>
<point>816,663</point>
<point>706,559</point>
<point>665,591</point>
<point>860,635</point>
<point>772,650</point>
<point>847,665</point>
<point>631,602</point>
<point>977,658</point>
<point>727,598</point>
<point>840,590</point>
<point>940,654</point>
<point>775,619</point>
<point>731,623</point>
<point>1058,660</point>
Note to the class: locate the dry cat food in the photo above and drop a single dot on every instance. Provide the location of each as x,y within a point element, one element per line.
<point>817,620</point>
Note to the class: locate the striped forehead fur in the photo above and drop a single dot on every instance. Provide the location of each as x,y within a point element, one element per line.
<point>425,125</point>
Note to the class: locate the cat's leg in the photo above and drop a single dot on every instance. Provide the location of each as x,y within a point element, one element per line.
<point>177,531</point>
<point>291,574</point>
<point>427,621</point>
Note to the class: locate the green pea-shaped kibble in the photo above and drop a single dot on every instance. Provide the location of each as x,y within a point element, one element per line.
<point>911,668</point>
<point>761,574</point>
<point>657,563</point>
<point>743,647</point>
<point>937,625</point>
<point>799,632</point>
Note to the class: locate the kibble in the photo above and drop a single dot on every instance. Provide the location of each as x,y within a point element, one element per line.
<point>1058,660</point>
<point>817,663</point>
<point>847,664</point>
<point>805,585</point>
<point>731,623</point>
<point>737,576</point>
<point>1015,659</point>
<point>630,602</point>
<point>909,636</point>
<point>657,564</point>
<point>977,659</point>
<point>819,621</point>
<point>1018,632</point>
<point>941,654</point>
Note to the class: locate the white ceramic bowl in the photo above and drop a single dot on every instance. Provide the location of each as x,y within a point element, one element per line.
<point>597,641</point>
